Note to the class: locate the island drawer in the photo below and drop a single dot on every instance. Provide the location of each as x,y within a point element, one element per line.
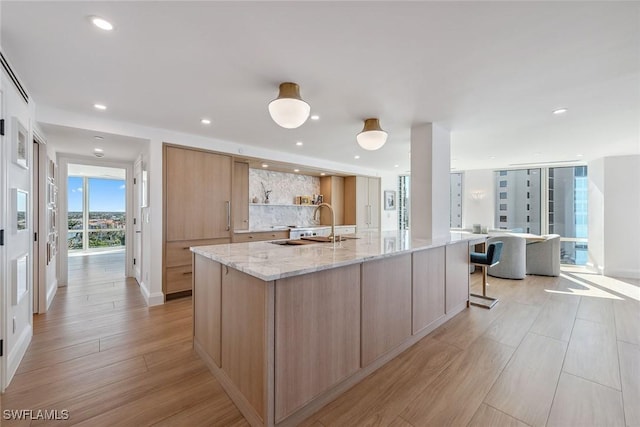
<point>179,279</point>
<point>260,236</point>
<point>179,253</point>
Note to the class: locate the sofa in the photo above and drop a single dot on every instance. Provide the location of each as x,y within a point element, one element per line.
<point>543,258</point>
<point>513,262</point>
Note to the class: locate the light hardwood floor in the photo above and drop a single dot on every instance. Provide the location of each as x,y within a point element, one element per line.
<point>554,351</point>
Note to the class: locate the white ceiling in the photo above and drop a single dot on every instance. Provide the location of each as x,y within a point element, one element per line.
<point>82,142</point>
<point>491,72</point>
<point>96,171</point>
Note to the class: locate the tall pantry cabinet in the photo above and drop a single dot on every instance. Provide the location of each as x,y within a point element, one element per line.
<point>197,209</point>
<point>362,202</point>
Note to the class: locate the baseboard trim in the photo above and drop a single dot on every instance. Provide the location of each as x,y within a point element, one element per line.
<point>51,293</point>
<point>623,274</point>
<point>156,298</point>
<point>15,357</point>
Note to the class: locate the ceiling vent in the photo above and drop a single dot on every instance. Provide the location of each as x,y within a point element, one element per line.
<point>14,78</point>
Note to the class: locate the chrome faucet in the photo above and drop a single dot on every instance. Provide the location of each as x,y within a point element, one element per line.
<point>333,218</point>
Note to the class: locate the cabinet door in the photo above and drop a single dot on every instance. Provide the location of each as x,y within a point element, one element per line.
<point>198,193</point>
<point>240,196</point>
<point>428,287</point>
<point>457,276</point>
<point>374,202</point>
<point>386,305</point>
<point>207,296</point>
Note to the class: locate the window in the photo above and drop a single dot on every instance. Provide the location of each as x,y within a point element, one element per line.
<point>518,203</point>
<point>503,184</point>
<point>404,191</point>
<point>96,212</point>
<point>568,195</point>
<point>455,189</point>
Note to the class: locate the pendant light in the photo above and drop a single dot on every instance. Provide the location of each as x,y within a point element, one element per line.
<point>372,136</point>
<point>289,110</point>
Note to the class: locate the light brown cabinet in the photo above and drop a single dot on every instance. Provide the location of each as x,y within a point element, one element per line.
<point>428,287</point>
<point>457,276</point>
<point>386,305</point>
<point>362,202</point>
<point>240,196</point>
<point>332,189</point>
<point>197,209</point>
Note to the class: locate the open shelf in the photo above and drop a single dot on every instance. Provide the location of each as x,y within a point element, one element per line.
<point>282,204</point>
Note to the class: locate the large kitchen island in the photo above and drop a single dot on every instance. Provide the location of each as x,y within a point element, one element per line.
<point>286,329</point>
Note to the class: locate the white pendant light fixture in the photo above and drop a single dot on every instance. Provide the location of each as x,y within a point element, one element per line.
<point>372,136</point>
<point>288,109</point>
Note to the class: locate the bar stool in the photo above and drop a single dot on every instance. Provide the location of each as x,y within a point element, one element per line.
<point>484,261</point>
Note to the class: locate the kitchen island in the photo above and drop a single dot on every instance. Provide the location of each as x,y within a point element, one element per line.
<point>286,329</point>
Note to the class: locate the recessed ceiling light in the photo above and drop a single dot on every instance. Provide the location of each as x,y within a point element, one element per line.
<point>396,166</point>
<point>98,150</point>
<point>356,157</point>
<point>296,170</point>
<point>100,106</point>
<point>299,143</point>
<point>205,121</point>
<point>98,137</point>
<point>264,165</point>
<point>492,157</point>
<point>102,23</point>
<point>322,174</point>
<point>560,111</point>
<point>578,155</point>
<point>315,117</point>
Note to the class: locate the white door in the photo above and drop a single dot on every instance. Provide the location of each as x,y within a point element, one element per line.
<point>3,293</point>
<point>137,221</point>
<point>18,233</point>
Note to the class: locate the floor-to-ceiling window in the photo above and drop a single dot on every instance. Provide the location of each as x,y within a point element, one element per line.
<point>96,211</point>
<point>568,211</point>
<point>546,201</point>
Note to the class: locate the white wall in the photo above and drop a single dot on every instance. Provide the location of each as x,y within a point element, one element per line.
<point>479,210</point>
<point>388,219</point>
<point>51,278</point>
<point>614,215</point>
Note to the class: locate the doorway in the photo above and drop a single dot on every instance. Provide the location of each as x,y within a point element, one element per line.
<point>96,223</point>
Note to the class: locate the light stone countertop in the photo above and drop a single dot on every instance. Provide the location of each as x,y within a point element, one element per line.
<point>268,261</point>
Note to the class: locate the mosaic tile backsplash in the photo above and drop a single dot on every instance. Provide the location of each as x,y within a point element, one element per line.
<point>283,187</point>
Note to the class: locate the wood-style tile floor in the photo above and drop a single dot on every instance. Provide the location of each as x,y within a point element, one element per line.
<point>554,351</point>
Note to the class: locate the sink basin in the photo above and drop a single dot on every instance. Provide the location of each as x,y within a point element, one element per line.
<point>292,242</point>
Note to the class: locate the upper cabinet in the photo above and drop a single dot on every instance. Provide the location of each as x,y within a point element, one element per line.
<point>362,202</point>
<point>332,190</point>
<point>197,194</point>
<point>240,195</point>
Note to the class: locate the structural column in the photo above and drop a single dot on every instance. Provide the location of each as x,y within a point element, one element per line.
<point>430,168</point>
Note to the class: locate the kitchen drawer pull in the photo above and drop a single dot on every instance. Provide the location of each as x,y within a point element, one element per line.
<point>186,272</point>
<point>186,247</point>
<point>228,215</point>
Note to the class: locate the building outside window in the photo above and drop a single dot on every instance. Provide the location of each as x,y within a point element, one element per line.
<point>518,206</point>
<point>455,189</point>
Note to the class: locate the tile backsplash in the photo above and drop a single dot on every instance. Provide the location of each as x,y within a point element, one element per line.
<point>284,188</point>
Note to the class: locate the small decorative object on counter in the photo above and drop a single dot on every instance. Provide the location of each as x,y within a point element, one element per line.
<point>477,228</point>
<point>297,200</point>
<point>266,193</point>
<point>305,200</point>
<point>255,199</point>
<point>319,199</point>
